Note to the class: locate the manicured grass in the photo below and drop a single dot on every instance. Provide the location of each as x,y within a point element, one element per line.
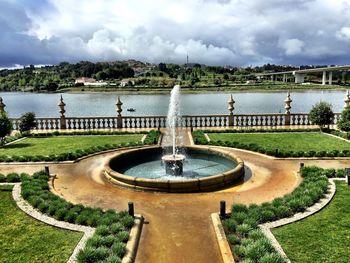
<point>24,239</point>
<point>324,237</point>
<point>293,141</point>
<point>64,144</point>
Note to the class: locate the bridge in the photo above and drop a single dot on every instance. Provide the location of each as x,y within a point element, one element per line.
<point>299,75</point>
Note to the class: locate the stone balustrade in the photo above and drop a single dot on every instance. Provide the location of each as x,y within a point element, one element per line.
<point>154,122</point>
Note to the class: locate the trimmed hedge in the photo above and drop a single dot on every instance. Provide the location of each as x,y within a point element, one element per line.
<point>152,138</point>
<point>200,138</point>
<point>260,130</point>
<point>246,239</point>
<point>112,228</point>
<point>12,178</point>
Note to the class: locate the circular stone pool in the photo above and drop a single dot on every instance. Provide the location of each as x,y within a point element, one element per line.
<point>204,169</point>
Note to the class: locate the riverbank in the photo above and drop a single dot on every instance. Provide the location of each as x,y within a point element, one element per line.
<point>204,89</point>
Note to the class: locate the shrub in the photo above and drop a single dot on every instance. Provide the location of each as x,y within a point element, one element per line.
<point>116,227</point>
<point>108,241</point>
<point>255,251</point>
<point>344,121</point>
<point>127,221</point>
<point>71,216</point>
<point>113,259</point>
<point>243,229</point>
<point>230,224</point>
<point>272,258</point>
<point>233,239</point>
<point>13,178</point>
<point>43,207</point>
<point>5,127</point>
<point>321,114</point>
<point>123,236</point>
<point>297,205</point>
<point>239,216</point>
<point>95,241</point>
<point>119,249</point>
<point>256,234</point>
<point>239,208</point>
<point>60,213</point>
<point>2,178</point>
<point>102,230</point>
<point>92,255</point>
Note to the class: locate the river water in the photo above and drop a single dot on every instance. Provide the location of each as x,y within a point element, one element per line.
<point>103,104</point>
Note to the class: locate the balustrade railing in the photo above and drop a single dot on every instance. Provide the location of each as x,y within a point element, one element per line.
<point>154,122</point>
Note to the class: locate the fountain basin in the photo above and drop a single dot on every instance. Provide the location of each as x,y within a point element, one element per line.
<point>119,164</point>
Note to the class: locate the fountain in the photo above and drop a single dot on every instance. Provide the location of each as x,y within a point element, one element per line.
<point>174,162</point>
<point>175,167</point>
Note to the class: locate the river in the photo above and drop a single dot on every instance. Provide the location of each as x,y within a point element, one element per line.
<point>103,104</point>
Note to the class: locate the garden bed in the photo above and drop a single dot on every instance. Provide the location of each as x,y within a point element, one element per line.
<point>280,144</point>
<point>247,241</point>
<point>64,148</point>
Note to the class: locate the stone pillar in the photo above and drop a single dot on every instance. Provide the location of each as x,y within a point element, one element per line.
<point>324,77</point>
<point>347,99</point>
<point>231,107</point>
<point>63,125</point>
<point>299,78</point>
<point>119,111</point>
<point>287,106</point>
<point>284,78</point>
<point>2,106</point>
<point>330,77</point>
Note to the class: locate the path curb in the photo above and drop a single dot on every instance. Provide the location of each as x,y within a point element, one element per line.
<point>133,243</point>
<point>224,246</point>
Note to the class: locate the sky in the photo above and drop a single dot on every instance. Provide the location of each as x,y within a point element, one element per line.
<point>212,32</point>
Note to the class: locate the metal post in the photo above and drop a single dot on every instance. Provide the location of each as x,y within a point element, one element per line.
<point>347,174</point>
<point>131,209</point>
<point>301,166</point>
<point>222,209</point>
<point>47,171</point>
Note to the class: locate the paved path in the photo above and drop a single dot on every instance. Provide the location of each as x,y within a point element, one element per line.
<point>178,227</point>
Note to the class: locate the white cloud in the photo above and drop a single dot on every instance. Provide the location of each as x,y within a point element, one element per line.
<point>292,46</point>
<point>343,34</point>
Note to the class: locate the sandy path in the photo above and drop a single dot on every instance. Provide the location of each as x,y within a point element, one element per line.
<point>178,227</point>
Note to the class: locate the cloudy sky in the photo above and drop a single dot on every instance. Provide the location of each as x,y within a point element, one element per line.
<point>215,32</point>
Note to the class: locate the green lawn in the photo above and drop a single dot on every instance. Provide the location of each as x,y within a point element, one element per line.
<point>324,237</point>
<point>64,144</point>
<point>286,141</point>
<point>24,239</point>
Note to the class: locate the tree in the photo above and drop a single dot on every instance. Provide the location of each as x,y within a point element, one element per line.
<point>344,121</point>
<point>27,122</point>
<point>5,126</point>
<point>321,114</point>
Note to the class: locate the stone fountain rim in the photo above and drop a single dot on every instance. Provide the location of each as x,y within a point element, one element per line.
<point>204,184</point>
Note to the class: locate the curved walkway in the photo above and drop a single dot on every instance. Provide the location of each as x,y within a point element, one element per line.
<point>178,226</point>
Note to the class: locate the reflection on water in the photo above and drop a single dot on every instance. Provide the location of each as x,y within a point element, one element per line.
<point>103,104</point>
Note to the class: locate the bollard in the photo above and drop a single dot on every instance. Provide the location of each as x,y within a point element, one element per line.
<point>347,175</point>
<point>301,166</point>
<point>222,209</point>
<point>276,152</point>
<point>131,209</point>
<point>47,171</point>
